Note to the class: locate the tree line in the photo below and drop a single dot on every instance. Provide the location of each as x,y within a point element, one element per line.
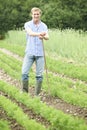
<point>60,14</point>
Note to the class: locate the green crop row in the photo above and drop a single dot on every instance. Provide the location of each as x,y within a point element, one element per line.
<point>58,66</point>
<point>11,65</point>
<point>16,65</point>
<point>58,120</point>
<point>60,87</point>
<point>15,48</point>
<point>4,125</point>
<point>16,113</point>
<point>10,60</point>
<point>68,69</point>
<point>65,90</point>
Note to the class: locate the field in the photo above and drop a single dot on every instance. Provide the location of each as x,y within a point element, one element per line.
<point>62,104</point>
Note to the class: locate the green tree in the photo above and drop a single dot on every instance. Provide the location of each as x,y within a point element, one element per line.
<point>4,22</point>
<point>56,14</point>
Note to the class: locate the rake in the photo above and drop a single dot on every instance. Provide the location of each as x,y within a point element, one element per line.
<point>47,79</point>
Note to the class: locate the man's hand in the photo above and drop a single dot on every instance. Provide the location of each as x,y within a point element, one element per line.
<point>42,35</point>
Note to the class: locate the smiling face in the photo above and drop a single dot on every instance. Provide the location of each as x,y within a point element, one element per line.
<point>36,13</point>
<point>36,16</point>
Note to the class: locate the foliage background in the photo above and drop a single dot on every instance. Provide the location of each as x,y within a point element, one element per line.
<point>56,14</point>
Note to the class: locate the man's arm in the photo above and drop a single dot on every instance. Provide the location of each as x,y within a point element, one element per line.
<point>42,35</point>
<point>31,33</point>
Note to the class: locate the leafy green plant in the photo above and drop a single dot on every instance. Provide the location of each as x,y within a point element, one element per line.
<point>4,125</point>
<point>16,113</point>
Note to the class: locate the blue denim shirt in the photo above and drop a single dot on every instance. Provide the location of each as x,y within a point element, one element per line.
<point>34,44</point>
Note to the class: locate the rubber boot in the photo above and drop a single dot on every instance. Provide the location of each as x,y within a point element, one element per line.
<point>25,86</point>
<point>38,87</point>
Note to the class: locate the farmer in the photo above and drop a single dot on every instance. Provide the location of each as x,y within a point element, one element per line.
<point>36,31</point>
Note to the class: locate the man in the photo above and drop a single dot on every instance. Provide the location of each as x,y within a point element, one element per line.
<point>36,31</point>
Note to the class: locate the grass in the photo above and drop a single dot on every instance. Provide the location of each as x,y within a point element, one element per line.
<point>67,44</point>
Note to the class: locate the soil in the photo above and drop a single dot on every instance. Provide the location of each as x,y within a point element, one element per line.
<point>55,102</point>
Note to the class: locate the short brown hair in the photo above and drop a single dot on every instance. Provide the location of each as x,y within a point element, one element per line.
<point>36,9</point>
